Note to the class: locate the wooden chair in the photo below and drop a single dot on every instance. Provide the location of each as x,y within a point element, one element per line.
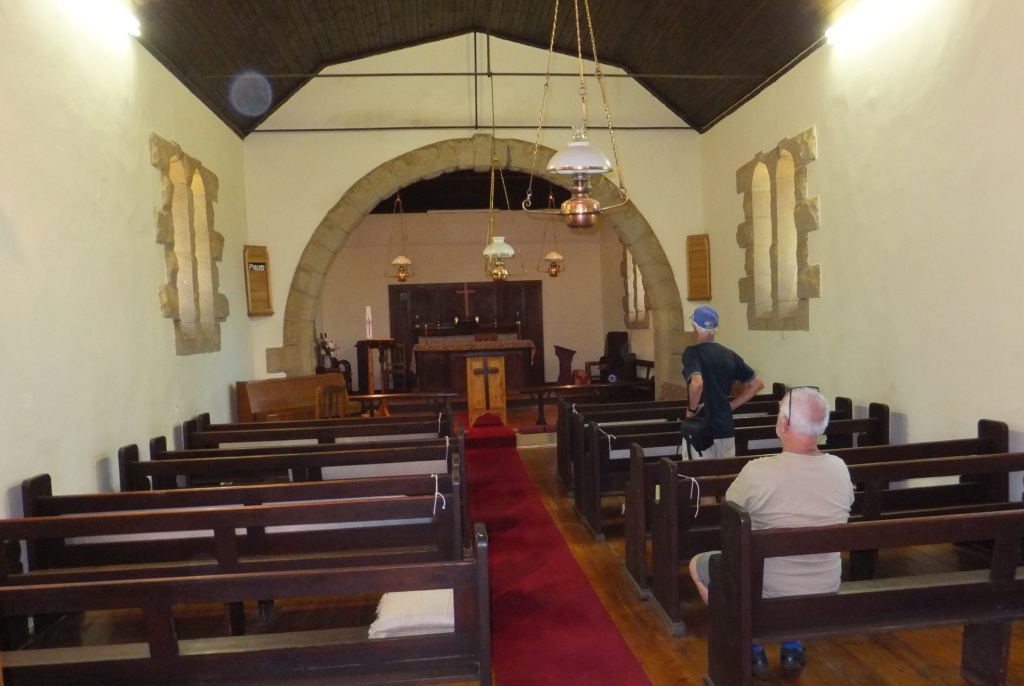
<point>333,402</point>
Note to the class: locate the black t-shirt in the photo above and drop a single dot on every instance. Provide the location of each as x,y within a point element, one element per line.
<point>719,367</point>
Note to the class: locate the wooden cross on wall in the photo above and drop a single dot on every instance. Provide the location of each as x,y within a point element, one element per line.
<point>466,290</point>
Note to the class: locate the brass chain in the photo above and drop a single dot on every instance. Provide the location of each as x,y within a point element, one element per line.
<point>604,98</point>
<point>543,106</point>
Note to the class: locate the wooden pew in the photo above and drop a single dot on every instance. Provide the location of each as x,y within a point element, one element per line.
<point>678,532</point>
<point>199,432</point>
<point>618,419</point>
<point>643,486</point>
<point>292,397</point>
<point>570,431</point>
<point>158,451</point>
<point>38,499</point>
<point>330,523</point>
<point>167,533</point>
<point>335,654</point>
<point>641,390</point>
<point>573,418</point>
<point>600,475</point>
<point>301,466</point>
<point>407,403</point>
<point>986,602</point>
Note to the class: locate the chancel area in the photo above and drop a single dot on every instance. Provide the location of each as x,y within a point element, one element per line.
<point>325,359</point>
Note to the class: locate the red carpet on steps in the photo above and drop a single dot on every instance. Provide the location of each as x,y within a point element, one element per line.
<point>548,625</point>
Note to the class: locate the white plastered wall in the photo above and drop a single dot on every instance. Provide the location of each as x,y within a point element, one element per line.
<point>88,364</point>
<point>293,179</point>
<point>919,173</point>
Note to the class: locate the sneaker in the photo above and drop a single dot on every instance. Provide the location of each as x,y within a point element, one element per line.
<point>759,662</point>
<point>794,656</point>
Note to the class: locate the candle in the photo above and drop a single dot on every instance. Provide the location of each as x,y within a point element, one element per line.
<point>369,323</point>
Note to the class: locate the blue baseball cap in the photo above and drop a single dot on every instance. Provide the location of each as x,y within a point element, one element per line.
<point>705,316</point>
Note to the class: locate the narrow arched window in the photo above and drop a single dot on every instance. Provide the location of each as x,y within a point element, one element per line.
<point>185,227</point>
<point>761,195</point>
<point>785,235</point>
<point>778,215</point>
<point>635,299</point>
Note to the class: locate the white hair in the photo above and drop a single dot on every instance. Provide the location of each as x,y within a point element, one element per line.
<point>810,410</point>
<point>701,331</point>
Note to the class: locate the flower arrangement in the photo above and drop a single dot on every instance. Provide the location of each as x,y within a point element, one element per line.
<point>325,347</point>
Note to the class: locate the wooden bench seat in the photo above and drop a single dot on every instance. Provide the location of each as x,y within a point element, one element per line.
<point>295,466</point>
<point>105,536</point>
<point>602,475</point>
<point>158,452</point>
<point>203,531</point>
<point>197,433</point>
<point>404,404</point>
<point>985,603</point>
<point>622,391</point>
<point>636,418</point>
<point>679,531</point>
<point>344,654</point>
<point>643,486</point>
<point>570,434</point>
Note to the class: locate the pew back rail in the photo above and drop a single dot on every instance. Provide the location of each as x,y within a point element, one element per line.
<point>986,602</point>
<point>346,654</point>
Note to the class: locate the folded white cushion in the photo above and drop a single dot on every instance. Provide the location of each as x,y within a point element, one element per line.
<point>414,613</point>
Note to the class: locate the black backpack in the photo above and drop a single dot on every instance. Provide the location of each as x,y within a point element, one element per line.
<point>695,431</point>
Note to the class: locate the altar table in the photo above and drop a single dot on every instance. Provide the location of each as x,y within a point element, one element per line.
<point>442,366</point>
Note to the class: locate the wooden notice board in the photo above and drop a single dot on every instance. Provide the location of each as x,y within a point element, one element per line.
<point>257,280</point>
<point>698,267</point>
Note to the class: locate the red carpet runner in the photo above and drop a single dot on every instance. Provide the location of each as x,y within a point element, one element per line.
<point>548,625</point>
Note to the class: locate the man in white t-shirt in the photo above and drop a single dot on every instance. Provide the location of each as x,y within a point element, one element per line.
<point>799,487</point>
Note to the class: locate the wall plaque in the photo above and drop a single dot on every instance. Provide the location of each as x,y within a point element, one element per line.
<point>698,267</point>
<point>257,280</point>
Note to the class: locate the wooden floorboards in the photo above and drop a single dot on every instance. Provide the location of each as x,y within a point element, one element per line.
<point>913,658</point>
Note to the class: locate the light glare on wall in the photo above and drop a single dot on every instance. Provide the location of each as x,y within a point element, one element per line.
<point>870,19</point>
<point>105,17</point>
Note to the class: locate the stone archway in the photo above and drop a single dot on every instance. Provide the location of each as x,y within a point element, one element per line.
<point>296,356</point>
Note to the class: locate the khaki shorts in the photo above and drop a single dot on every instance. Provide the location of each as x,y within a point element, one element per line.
<point>703,573</point>
<point>723,447</point>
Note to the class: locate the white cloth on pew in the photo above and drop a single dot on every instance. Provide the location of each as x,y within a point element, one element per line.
<point>414,613</point>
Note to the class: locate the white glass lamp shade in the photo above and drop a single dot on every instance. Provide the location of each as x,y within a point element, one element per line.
<point>579,158</point>
<point>498,249</point>
<point>555,259</point>
<point>401,261</point>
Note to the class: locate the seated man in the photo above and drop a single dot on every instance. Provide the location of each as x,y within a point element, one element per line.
<point>798,487</point>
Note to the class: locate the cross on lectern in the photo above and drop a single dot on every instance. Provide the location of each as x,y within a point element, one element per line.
<point>486,372</point>
<point>484,394</point>
<point>466,290</point>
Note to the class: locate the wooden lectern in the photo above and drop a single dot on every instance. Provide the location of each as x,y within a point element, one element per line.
<point>485,386</point>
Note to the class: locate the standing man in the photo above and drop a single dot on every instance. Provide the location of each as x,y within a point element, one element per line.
<point>798,487</point>
<point>710,370</point>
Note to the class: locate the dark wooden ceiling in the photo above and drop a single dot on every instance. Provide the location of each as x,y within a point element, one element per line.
<point>701,58</point>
